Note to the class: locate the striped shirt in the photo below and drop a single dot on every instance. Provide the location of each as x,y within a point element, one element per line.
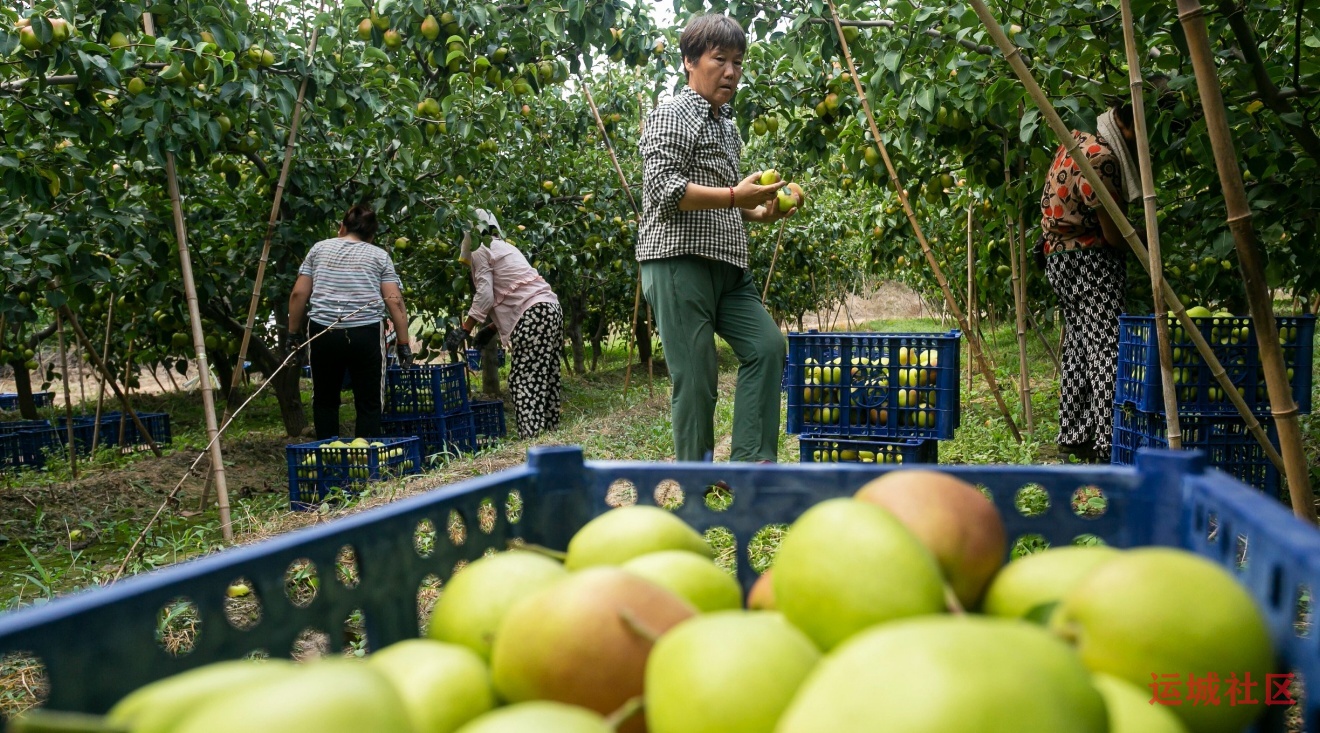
<point>683,144</point>
<point>346,275</point>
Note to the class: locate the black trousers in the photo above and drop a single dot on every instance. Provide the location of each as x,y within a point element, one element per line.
<point>359,351</point>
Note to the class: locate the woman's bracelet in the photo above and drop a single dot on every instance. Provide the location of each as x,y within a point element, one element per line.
<point>731,201</point>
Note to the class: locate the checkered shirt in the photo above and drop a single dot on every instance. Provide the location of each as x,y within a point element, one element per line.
<point>682,143</point>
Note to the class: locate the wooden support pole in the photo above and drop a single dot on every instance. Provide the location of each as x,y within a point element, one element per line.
<point>1191,16</point>
<point>109,378</point>
<point>632,331</point>
<point>1150,203</point>
<point>1012,55</point>
<point>128,388</point>
<point>1022,268</point>
<point>973,341</point>
<point>971,288</point>
<point>105,354</point>
<point>199,339</point>
<point>270,226</point>
<point>1018,275</point>
<point>68,397</point>
<point>773,258</point>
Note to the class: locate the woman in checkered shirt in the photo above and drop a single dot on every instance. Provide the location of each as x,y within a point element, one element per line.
<point>694,253</point>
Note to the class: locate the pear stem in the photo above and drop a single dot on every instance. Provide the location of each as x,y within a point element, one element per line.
<point>635,624</point>
<point>630,708</point>
<point>952,603</point>
<point>539,549</point>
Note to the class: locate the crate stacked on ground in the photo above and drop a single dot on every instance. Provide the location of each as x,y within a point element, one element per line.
<point>26,444</point>
<point>488,417</point>
<point>474,359</point>
<point>864,397</point>
<point>431,403</point>
<point>327,468</point>
<point>9,400</point>
<point>1206,415</point>
<point>1168,499</point>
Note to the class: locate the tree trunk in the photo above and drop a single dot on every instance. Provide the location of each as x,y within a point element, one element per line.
<point>289,395</point>
<point>23,386</point>
<point>597,348</point>
<point>575,337</point>
<point>288,391</point>
<point>490,368</point>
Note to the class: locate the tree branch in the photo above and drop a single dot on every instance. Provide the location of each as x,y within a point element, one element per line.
<point>17,84</point>
<point>1269,93</point>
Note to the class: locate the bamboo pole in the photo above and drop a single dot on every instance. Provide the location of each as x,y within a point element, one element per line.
<point>637,213</point>
<point>773,258</point>
<point>108,377</point>
<point>105,354</point>
<point>973,340</point>
<point>1049,347</point>
<point>1012,55</point>
<point>1191,16</point>
<point>199,342</point>
<point>1022,267</point>
<point>1149,202</point>
<point>1017,273</point>
<point>68,397</point>
<point>270,226</point>
<point>128,388</point>
<point>971,286</point>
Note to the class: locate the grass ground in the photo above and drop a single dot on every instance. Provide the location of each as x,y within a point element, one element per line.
<point>58,534</point>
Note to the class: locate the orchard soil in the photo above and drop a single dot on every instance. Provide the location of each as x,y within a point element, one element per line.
<point>59,535</point>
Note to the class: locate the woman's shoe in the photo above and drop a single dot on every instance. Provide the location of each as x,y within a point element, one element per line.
<point>1078,452</point>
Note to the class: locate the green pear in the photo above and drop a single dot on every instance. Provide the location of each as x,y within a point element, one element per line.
<point>619,535</point>
<point>762,595</point>
<point>948,673</point>
<point>443,686</point>
<point>692,577</point>
<point>726,672</point>
<point>1160,610</point>
<point>1032,584</point>
<point>846,565</point>
<point>957,523</point>
<point>159,706</point>
<point>328,696</point>
<point>1130,708</point>
<point>539,717</point>
<point>1199,311</point>
<point>584,640</point>
<point>474,603</point>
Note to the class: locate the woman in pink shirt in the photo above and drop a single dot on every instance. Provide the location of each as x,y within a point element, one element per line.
<point>526,312</point>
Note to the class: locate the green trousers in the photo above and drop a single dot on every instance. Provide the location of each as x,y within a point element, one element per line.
<point>693,299</point>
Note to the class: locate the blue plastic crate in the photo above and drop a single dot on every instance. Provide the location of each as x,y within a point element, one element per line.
<point>1167,499</point>
<point>827,449</point>
<point>853,384</point>
<point>1234,343</point>
<point>439,434</point>
<point>14,426</point>
<point>316,469</point>
<point>156,423</point>
<point>488,420</point>
<point>474,358</point>
<point>9,400</point>
<point>1225,440</point>
<point>431,389</point>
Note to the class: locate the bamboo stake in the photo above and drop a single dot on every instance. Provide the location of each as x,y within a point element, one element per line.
<point>1049,347</point>
<point>773,258</point>
<point>637,213</point>
<point>971,287</point>
<point>128,389</point>
<point>199,343</point>
<point>1149,201</point>
<point>1012,55</point>
<point>973,340</point>
<point>68,397</point>
<point>1022,336</point>
<point>108,377</point>
<point>1019,296</point>
<point>100,395</point>
<point>270,226</point>
<point>1191,15</point>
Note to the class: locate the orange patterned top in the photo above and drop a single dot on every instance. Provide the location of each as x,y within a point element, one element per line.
<point>1068,205</point>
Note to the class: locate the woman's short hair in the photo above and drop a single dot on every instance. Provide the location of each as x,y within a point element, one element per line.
<point>1123,111</point>
<point>361,220</point>
<point>711,31</point>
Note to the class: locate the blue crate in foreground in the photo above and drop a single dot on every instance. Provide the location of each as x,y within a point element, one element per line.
<point>439,434</point>
<point>430,389</point>
<point>319,469</point>
<point>829,449</point>
<point>1169,498</point>
<point>1233,341</point>
<point>488,419</point>
<point>1224,439</point>
<point>894,385</point>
